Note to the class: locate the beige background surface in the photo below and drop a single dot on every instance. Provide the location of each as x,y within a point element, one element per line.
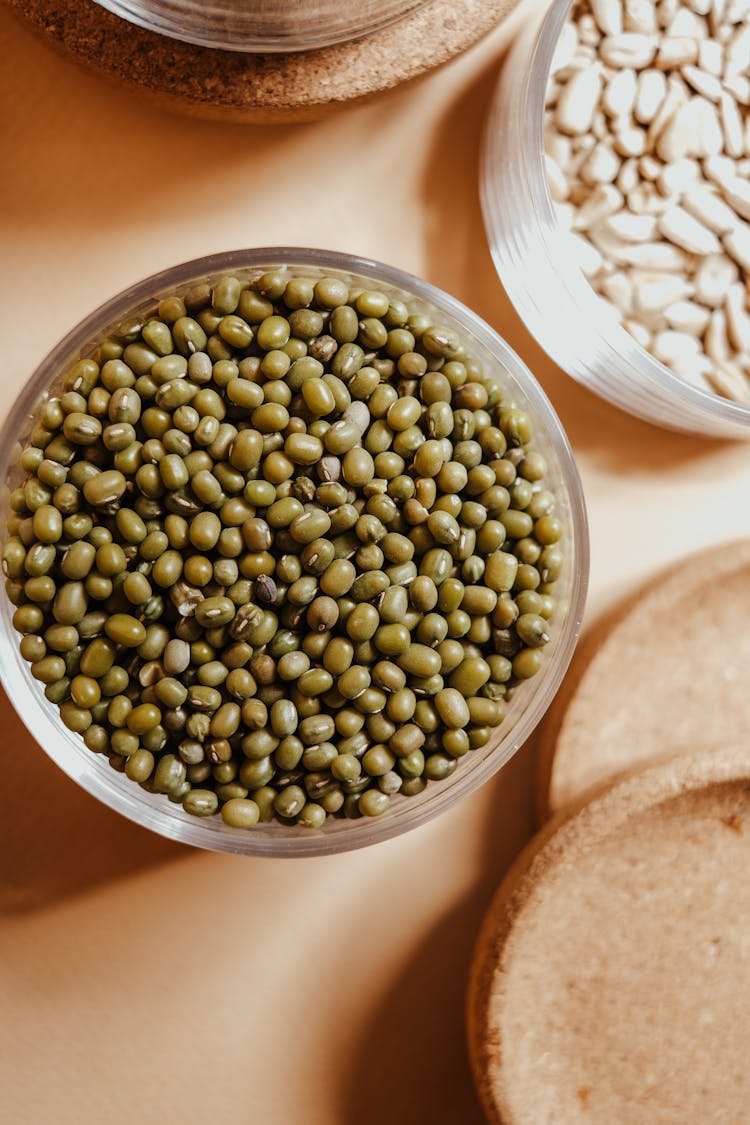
<point>139,981</point>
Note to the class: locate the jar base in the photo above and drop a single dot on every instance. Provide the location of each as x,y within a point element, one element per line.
<point>243,87</point>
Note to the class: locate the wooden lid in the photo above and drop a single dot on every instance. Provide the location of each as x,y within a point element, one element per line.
<point>666,673</point>
<point>610,983</point>
<point>237,86</point>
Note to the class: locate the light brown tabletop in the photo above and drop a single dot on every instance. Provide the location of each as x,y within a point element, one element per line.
<point>143,982</point>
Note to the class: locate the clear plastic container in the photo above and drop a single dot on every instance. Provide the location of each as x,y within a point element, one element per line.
<point>537,265</point>
<point>262,25</point>
<point>530,700</point>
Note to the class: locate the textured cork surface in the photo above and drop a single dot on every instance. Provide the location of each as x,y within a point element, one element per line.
<point>666,673</point>
<point>610,981</point>
<point>235,86</point>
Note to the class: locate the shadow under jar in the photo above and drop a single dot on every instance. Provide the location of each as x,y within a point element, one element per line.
<point>538,265</point>
<point>367,285</point>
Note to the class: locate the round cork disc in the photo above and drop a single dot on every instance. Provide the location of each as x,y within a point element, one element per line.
<point>237,86</point>
<point>667,673</point>
<point>611,979</point>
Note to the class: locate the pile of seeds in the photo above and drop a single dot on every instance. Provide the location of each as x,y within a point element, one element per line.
<point>283,550</point>
<point>647,144</point>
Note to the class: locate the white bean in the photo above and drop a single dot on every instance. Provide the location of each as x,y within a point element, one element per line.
<point>639,332</point>
<point>671,347</point>
<point>649,168</point>
<point>711,56</point>
<point>700,7</point>
<point>627,177</point>
<point>710,138</point>
<point>739,87</point>
<point>645,199</point>
<point>695,130</point>
<point>653,292</point>
<point>619,93</point>
<point>600,166</point>
<point>652,90</point>
<point>678,177</point>
<point>639,16</point>
<point>656,256</point>
<point>703,82</point>
<point>678,138</point>
<point>666,11</point>
<point>565,49</point>
<point>731,124</point>
<point>604,200</point>
<point>588,31</point>
<point>712,279</point>
<point>629,49</point>
<point>716,341</point>
<point>618,288</point>
<point>631,228</point>
<point>557,181</point>
<point>558,147</point>
<point>687,316</point>
<point>687,25</point>
<point>608,16</point>
<point>583,144</point>
<point>564,213</point>
<point>719,169</point>
<point>737,11</point>
<point>716,16</point>
<point>610,246</point>
<point>676,97</point>
<point>676,52</point>
<point>706,206</point>
<point>679,226</point>
<point>577,102</point>
<point>630,141</point>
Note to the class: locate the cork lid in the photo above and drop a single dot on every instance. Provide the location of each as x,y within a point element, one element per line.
<point>667,673</point>
<point>610,980</point>
<point>235,86</point>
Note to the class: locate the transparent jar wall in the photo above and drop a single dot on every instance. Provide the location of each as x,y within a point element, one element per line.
<point>536,263</point>
<point>94,773</point>
<point>262,25</point>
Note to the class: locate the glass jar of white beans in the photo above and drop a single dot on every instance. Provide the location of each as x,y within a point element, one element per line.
<point>634,113</point>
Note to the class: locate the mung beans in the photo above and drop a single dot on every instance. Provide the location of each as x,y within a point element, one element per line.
<point>302,562</point>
